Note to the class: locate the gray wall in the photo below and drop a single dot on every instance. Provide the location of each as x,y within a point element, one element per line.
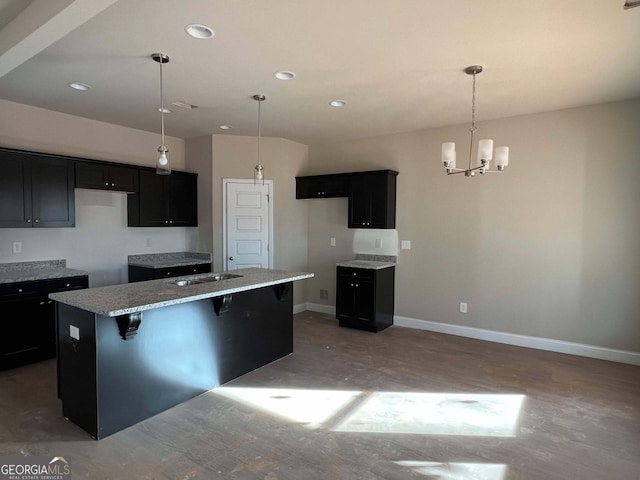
<point>234,156</point>
<point>550,248</point>
<point>101,241</point>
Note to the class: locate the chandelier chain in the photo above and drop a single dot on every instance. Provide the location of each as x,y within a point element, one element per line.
<point>161,105</point>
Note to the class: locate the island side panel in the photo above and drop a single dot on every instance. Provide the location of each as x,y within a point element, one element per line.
<point>181,351</point>
<point>77,366</point>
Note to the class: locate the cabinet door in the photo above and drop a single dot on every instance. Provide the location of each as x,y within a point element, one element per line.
<point>346,299</point>
<point>98,176</point>
<point>320,186</point>
<point>360,204</point>
<point>91,175</point>
<point>152,200</point>
<point>365,301</point>
<point>15,191</point>
<point>52,195</point>
<point>372,201</point>
<point>28,332</point>
<point>182,200</point>
<point>122,179</point>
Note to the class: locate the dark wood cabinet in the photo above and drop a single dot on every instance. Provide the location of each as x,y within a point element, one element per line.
<point>372,200</point>
<point>372,195</point>
<point>36,191</point>
<point>28,329</point>
<point>365,298</point>
<point>140,274</point>
<point>322,186</point>
<point>101,176</point>
<point>164,200</point>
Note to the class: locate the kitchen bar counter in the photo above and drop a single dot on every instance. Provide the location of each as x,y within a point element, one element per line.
<point>39,270</point>
<point>127,352</point>
<point>116,300</point>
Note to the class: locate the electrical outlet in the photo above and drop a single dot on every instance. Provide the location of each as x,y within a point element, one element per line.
<point>147,242</point>
<point>378,243</point>
<point>17,247</point>
<point>332,241</point>
<point>324,294</point>
<point>405,245</point>
<point>463,307</point>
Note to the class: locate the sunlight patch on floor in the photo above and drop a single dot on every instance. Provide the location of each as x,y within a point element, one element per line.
<point>458,471</point>
<point>436,414</point>
<point>312,408</point>
<point>494,415</point>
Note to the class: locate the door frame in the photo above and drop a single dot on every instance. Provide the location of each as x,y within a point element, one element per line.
<point>225,182</point>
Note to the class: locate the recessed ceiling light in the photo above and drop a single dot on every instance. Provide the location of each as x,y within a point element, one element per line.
<point>338,103</point>
<point>83,87</point>
<point>184,105</point>
<point>226,127</point>
<point>165,110</point>
<point>284,75</point>
<point>199,31</point>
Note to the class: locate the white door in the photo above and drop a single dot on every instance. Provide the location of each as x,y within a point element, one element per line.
<point>248,224</point>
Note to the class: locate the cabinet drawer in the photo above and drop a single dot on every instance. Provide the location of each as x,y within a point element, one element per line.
<point>359,273</point>
<point>68,283</point>
<point>20,289</point>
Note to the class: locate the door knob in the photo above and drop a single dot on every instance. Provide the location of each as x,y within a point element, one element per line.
<point>230,258</point>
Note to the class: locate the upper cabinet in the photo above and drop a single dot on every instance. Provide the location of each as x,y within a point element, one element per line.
<point>36,190</point>
<point>372,200</point>
<point>164,200</point>
<point>372,195</point>
<point>103,176</point>
<point>322,186</point>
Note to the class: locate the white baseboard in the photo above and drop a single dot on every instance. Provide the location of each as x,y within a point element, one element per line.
<point>580,349</point>
<point>320,308</point>
<point>301,307</point>
<point>539,343</point>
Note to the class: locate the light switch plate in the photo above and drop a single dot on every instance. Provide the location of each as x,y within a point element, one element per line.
<point>405,245</point>
<point>332,241</point>
<point>17,247</point>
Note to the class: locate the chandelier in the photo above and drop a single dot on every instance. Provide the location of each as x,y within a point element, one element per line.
<point>485,147</point>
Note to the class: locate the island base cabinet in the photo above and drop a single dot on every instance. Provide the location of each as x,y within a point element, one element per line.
<point>179,351</point>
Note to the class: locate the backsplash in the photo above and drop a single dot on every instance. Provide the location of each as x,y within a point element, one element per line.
<point>376,241</point>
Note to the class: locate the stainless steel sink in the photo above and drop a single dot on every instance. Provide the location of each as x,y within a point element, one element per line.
<point>214,277</point>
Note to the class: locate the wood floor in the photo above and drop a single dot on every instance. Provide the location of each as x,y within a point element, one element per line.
<point>348,404</point>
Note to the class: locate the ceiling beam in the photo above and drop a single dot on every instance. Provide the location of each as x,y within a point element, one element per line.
<point>41,24</point>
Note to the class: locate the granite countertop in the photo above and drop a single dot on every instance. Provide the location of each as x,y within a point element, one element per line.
<point>368,264</point>
<point>165,260</point>
<point>38,270</point>
<point>117,300</point>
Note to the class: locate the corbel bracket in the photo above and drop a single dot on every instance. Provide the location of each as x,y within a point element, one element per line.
<point>221,304</point>
<point>129,324</point>
<point>282,290</point>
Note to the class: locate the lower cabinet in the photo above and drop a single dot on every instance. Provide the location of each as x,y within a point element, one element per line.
<point>365,298</point>
<point>141,274</point>
<point>28,333</point>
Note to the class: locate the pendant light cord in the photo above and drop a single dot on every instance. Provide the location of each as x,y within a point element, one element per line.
<point>473,118</point>
<point>259,104</point>
<point>161,105</point>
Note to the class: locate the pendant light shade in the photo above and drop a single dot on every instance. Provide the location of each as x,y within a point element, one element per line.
<point>258,170</point>
<point>162,166</point>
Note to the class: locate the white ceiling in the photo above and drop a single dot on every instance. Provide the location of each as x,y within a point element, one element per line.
<point>397,62</point>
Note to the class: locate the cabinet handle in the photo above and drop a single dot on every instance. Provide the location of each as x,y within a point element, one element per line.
<point>170,221</point>
<point>28,220</point>
<point>68,284</point>
<point>50,301</point>
<point>168,273</point>
<point>113,184</point>
<point>19,290</point>
<point>36,221</point>
<point>41,303</point>
<point>106,184</point>
<point>166,221</point>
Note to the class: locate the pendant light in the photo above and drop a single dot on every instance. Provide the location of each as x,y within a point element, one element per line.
<point>162,166</point>
<point>485,147</point>
<point>258,170</point>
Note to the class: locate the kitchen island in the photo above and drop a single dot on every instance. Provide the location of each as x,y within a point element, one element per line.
<point>127,352</point>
